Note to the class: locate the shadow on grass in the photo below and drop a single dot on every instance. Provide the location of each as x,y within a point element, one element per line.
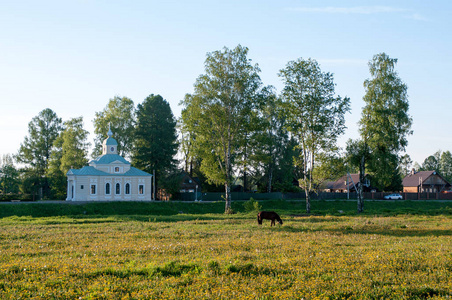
<point>394,230</point>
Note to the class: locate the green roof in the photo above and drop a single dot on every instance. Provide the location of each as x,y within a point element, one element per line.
<point>91,171</point>
<point>109,158</point>
<point>111,142</point>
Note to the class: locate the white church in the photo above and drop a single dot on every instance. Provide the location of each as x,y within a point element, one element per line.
<point>109,177</point>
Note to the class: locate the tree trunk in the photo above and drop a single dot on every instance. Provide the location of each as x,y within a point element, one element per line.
<point>245,179</point>
<point>361,185</point>
<point>227,185</point>
<point>270,177</point>
<point>227,189</point>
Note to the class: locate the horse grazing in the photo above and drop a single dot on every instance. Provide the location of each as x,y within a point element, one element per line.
<point>268,215</point>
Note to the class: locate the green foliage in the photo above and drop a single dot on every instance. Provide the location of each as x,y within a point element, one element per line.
<point>330,166</point>
<point>440,162</point>
<point>315,117</point>
<point>385,122</point>
<point>405,165</point>
<point>16,196</point>
<point>171,182</point>
<point>432,162</point>
<point>70,151</point>
<point>217,114</point>
<point>270,151</point>
<point>445,165</point>
<point>119,115</point>
<point>9,175</point>
<point>35,151</point>
<point>252,205</point>
<point>229,211</point>
<point>155,139</point>
<point>171,211</point>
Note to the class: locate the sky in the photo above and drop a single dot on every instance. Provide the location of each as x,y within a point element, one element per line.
<point>73,56</point>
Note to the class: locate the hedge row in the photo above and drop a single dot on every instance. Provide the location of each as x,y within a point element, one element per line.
<point>21,197</point>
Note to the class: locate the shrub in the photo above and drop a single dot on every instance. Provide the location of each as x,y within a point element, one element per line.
<point>229,211</point>
<point>252,205</point>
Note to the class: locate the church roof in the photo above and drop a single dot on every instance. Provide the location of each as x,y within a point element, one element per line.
<point>91,171</point>
<point>109,158</point>
<point>111,142</point>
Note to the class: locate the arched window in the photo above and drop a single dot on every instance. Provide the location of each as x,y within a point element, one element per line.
<point>93,189</point>
<point>118,189</point>
<point>127,188</point>
<point>107,188</point>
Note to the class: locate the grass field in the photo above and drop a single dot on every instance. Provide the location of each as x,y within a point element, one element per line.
<point>396,250</point>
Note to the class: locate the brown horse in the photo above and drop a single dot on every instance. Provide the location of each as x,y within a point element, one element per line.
<point>268,215</point>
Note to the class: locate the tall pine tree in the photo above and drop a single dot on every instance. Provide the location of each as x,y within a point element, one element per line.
<point>155,138</point>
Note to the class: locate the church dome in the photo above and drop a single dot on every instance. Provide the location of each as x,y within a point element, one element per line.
<point>110,142</point>
<point>110,145</point>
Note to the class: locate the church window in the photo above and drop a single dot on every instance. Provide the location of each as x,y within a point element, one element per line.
<point>116,169</point>
<point>127,188</point>
<point>141,189</point>
<point>118,189</point>
<point>107,188</point>
<point>81,187</point>
<point>93,189</point>
<point>112,149</point>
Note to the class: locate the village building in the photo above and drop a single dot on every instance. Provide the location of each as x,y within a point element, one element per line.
<point>424,182</point>
<point>347,183</point>
<point>189,188</point>
<point>110,177</point>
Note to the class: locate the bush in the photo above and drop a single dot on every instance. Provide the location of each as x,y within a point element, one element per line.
<point>230,211</point>
<point>252,205</point>
<point>9,197</point>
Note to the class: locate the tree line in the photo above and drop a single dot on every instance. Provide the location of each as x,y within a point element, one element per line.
<point>145,134</point>
<point>233,128</point>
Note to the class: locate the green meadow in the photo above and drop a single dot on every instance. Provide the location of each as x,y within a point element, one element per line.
<point>179,250</point>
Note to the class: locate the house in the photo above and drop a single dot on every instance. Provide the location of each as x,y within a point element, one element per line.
<point>346,183</point>
<point>424,182</point>
<point>189,184</point>
<point>188,188</point>
<point>109,177</point>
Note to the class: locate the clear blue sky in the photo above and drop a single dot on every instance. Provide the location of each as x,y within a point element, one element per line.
<point>73,56</point>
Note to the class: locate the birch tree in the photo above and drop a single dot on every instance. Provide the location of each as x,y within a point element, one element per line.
<point>315,116</point>
<point>385,123</point>
<point>217,112</point>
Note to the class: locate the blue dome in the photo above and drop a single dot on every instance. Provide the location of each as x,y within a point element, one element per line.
<point>111,142</point>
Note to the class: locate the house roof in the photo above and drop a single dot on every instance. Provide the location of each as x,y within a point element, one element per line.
<point>91,171</point>
<point>340,184</point>
<point>414,179</point>
<point>108,159</point>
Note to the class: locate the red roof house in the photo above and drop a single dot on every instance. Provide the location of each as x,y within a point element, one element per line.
<point>424,182</point>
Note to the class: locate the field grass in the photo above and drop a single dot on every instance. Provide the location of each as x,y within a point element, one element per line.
<point>396,250</point>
